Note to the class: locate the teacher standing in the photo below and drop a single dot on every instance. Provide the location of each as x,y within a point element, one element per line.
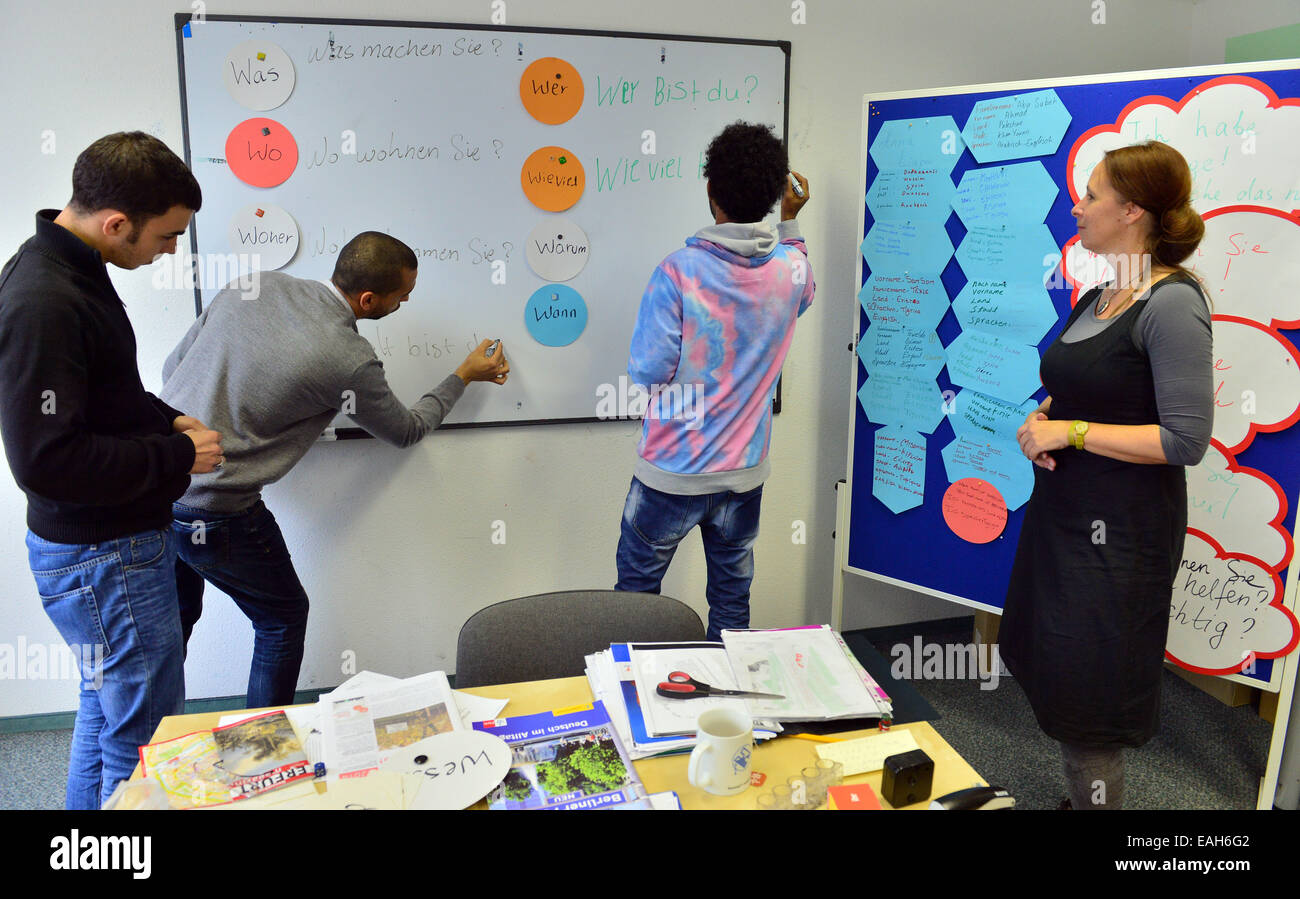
<point>1130,404</point>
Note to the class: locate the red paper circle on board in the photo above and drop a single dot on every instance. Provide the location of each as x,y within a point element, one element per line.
<point>974,510</point>
<point>261,152</point>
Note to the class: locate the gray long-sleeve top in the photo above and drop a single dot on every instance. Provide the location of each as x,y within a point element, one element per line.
<point>270,373</point>
<point>1174,330</point>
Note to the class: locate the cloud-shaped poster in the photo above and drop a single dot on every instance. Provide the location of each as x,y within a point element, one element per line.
<point>1241,508</point>
<point>1249,261</point>
<point>1226,610</point>
<point>1256,381</point>
<point>1235,132</point>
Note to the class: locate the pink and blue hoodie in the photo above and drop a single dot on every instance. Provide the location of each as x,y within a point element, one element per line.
<point>714,327</point>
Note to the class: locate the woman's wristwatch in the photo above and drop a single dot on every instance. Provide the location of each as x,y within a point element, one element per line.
<point>1077,431</point>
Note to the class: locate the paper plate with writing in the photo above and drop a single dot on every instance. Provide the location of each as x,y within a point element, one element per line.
<point>556,315</point>
<point>553,179</point>
<point>557,249</point>
<point>258,74</point>
<point>450,771</point>
<point>266,235</point>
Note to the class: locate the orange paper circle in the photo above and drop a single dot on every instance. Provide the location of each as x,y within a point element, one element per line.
<point>975,510</point>
<point>551,90</point>
<point>261,152</point>
<point>553,179</point>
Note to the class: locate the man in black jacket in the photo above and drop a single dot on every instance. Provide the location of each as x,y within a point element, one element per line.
<point>100,459</point>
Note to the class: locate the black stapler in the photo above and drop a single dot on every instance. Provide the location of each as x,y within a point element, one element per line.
<point>985,798</point>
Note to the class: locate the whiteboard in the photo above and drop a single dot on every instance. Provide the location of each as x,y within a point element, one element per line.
<point>439,138</point>
<point>1232,611</point>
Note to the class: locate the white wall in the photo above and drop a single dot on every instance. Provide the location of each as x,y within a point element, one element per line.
<point>394,547</point>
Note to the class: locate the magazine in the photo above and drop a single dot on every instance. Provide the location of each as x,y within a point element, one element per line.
<point>569,761</point>
<point>228,763</point>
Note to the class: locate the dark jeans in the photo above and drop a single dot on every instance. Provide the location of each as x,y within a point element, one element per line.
<point>115,605</point>
<point>244,556</point>
<point>654,523</point>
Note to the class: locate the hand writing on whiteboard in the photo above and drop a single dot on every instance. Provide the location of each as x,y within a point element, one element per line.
<point>479,366</point>
<point>791,202</point>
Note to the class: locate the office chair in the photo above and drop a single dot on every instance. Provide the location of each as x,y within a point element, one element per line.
<point>547,635</point>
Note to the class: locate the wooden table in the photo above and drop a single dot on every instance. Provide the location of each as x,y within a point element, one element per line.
<point>776,759</point>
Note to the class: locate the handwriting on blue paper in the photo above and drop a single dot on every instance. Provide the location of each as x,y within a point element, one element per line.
<point>928,142</point>
<point>981,417</point>
<point>1015,126</point>
<point>1022,312</point>
<point>907,246</point>
<point>1005,194</point>
<point>887,347</point>
<point>1021,253</point>
<point>1000,462</point>
<point>891,398</point>
<point>898,472</point>
<point>905,298</point>
<point>911,194</point>
<point>989,364</point>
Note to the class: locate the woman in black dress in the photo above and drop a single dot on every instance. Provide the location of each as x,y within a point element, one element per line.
<point>1130,384</point>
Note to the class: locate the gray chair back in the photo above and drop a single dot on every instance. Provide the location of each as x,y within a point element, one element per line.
<point>548,635</point>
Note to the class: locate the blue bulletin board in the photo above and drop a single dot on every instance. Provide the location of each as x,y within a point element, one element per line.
<point>968,267</point>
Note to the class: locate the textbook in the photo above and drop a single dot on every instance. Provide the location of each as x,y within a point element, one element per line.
<point>563,761</point>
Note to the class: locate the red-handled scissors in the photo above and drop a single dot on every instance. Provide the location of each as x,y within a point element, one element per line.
<point>681,685</point>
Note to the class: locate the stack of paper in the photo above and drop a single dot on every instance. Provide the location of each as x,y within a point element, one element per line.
<point>625,678</point>
<point>811,667</point>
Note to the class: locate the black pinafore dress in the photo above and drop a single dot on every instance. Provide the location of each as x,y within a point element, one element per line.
<point>1087,610</point>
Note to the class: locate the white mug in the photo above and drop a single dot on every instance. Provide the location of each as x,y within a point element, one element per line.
<point>720,762</point>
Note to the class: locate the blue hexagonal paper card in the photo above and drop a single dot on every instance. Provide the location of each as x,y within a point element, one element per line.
<point>1016,126</point>
<point>932,142</point>
<point>999,462</point>
<point>989,364</point>
<point>1005,195</point>
<point>1022,313</point>
<point>907,247</point>
<point>1017,253</point>
<point>904,298</point>
<point>887,347</point>
<point>898,469</point>
<point>983,417</point>
<point>911,194</point>
<point>913,402</point>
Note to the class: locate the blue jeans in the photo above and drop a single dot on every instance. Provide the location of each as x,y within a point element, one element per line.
<point>114,603</point>
<point>244,556</point>
<point>654,523</point>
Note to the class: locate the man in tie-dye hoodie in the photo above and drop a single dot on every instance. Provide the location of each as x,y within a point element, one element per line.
<point>712,333</point>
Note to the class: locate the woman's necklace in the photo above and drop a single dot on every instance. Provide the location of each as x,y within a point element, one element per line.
<point>1105,301</point>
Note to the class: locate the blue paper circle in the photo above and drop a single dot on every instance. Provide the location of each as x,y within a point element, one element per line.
<point>556,315</point>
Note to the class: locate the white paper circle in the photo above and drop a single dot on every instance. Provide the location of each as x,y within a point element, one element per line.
<point>265,241</point>
<point>258,74</point>
<point>455,769</point>
<point>557,249</point>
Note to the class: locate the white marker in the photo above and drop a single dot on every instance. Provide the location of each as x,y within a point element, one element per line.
<point>794,183</point>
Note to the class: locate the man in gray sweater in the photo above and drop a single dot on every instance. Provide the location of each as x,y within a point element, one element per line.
<point>270,373</point>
